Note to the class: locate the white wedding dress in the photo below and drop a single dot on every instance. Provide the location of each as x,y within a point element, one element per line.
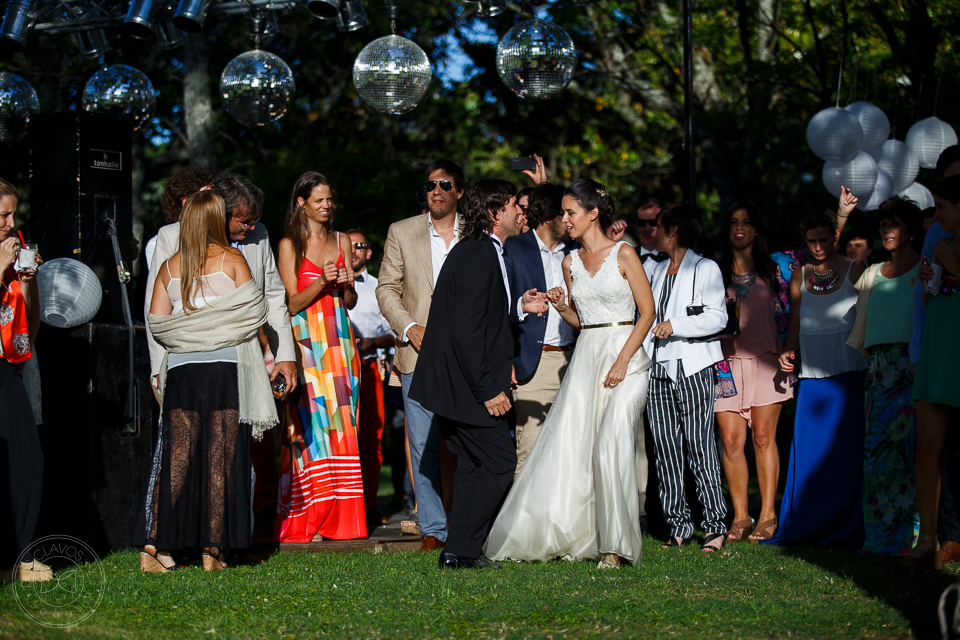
<point>576,496</point>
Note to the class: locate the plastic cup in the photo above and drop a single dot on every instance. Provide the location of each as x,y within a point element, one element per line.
<point>26,259</point>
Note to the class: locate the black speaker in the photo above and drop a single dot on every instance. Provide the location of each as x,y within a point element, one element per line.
<point>80,174</point>
<point>95,466</point>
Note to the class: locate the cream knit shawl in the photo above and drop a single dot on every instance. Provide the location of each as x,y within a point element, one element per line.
<point>229,321</point>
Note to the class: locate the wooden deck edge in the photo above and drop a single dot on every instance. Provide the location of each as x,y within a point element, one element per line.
<point>377,545</point>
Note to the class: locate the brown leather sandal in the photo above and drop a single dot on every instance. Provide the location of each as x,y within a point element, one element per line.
<point>765,530</point>
<point>739,530</point>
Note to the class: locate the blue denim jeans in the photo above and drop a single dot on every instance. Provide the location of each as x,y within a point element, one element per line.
<point>424,435</point>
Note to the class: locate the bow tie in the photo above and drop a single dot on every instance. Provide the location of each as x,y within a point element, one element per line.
<point>659,257</point>
<point>358,278</point>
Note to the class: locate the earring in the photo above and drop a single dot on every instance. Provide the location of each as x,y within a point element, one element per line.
<point>911,238</point>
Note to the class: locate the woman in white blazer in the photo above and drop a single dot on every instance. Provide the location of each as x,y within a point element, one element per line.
<point>689,293</point>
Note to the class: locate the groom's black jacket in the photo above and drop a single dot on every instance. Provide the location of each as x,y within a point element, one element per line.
<point>467,349</point>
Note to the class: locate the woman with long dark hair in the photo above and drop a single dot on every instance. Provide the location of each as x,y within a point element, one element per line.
<point>321,485</point>
<point>754,388</point>
<point>822,500</point>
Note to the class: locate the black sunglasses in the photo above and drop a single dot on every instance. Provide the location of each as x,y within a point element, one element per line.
<point>446,185</point>
<point>646,223</point>
<point>360,246</point>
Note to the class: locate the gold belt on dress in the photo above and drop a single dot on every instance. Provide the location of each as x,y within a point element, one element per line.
<point>607,324</point>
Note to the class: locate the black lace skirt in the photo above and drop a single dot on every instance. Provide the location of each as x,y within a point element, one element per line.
<point>198,493</point>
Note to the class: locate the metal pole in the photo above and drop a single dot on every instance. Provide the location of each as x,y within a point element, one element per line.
<point>691,177</point>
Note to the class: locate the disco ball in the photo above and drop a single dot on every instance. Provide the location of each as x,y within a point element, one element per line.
<point>121,90</point>
<point>18,101</point>
<point>256,87</point>
<point>392,74</point>
<point>536,59</point>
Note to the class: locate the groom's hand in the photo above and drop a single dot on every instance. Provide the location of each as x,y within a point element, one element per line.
<point>498,406</point>
<point>534,302</point>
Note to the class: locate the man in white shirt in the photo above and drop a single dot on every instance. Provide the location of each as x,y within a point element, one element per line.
<point>372,333</point>
<point>544,343</point>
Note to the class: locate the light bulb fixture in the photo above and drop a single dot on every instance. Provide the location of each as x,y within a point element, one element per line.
<point>262,26</point>
<point>352,16</point>
<point>92,43</point>
<point>18,21</point>
<point>169,36</point>
<point>490,8</point>
<point>190,14</point>
<point>324,9</point>
<point>138,24</point>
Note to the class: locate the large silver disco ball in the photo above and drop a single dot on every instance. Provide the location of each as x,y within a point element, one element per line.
<point>256,87</point>
<point>121,90</point>
<point>536,59</point>
<point>18,101</point>
<point>392,74</point>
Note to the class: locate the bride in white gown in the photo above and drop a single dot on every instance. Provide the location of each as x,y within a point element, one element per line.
<point>576,496</point>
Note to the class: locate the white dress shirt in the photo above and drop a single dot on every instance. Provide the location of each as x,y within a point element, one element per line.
<point>498,245</point>
<point>365,318</point>
<point>558,333</point>
<point>647,265</point>
<point>438,254</point>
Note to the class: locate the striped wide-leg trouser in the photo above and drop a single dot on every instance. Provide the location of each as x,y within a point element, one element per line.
<point>680,414</point>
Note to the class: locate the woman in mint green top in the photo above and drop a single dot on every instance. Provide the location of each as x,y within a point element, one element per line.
<point>890,517</point>
<point>936,386</point>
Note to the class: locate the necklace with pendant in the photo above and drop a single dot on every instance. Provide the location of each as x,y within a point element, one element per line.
<point>823,281</point>
<point>742,283</point>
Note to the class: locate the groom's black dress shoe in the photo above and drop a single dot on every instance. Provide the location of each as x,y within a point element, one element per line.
<point>451,561</point>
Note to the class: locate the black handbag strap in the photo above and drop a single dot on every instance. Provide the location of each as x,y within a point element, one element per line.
<point>693,289</point>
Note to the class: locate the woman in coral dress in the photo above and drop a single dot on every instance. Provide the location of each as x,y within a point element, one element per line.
<point>321,489</point>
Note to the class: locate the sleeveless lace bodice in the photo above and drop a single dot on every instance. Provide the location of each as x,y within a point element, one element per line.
<point>605,297</point>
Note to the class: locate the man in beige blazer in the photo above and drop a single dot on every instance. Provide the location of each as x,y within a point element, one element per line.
<point>413,255</point>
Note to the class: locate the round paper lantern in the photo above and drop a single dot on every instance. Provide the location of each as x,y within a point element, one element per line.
<point>881,191</point>
<point>873,121</point>
<point>256,87</point>
<point>392,74</point>
<point>919,194</point>
<point>859,175</point>
<point>121,90</point>
<point>536,59</point>
<point>899,161</point>
<point>18,101</point>
<point>835,134</point>
<point>928,138</point>
<point>70,293</point>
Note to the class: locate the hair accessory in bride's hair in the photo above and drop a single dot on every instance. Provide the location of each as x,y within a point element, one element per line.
<point>602,193</point>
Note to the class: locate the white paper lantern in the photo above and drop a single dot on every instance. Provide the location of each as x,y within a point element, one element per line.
<point>898,160</point>
<point>919,194</point>
<point>70,293</point>
<point>873,121</point>
<point>859,175</point>
<point>881,191</point>
<point>928,138</point>
<point>835,134</point>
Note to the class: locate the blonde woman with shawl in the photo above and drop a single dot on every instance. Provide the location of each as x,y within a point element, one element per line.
<point>206,312</point>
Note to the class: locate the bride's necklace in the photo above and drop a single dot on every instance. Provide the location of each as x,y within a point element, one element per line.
<point>742,283</point>
<point>823,281</point>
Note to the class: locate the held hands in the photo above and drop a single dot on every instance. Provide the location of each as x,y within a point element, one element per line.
<point>415,336</point>
<point>540,175</point>
<point>616,374</point>
<point>786,361</point>
<point>534,302</point>
<point>848,202</point>
<point>663,330</point>
<point>557,299</point>
<point>616,230</point>
<point>498,406</point>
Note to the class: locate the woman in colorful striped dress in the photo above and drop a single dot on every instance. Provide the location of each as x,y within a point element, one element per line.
<point>321,490</point>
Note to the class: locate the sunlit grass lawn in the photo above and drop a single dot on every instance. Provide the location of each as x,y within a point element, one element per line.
<point>747,592</point>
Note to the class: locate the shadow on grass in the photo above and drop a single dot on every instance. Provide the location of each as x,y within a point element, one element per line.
<point>913,593</point>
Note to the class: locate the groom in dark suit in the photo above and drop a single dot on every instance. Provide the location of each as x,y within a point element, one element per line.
<point>463,372</point>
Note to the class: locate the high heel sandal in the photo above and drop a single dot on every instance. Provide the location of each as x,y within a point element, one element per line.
<point>150,562</point>
<point>675,542</point>
<point>739,530</point>
<point>213,559</point>
<point>765,530</point>
<point>706,547</point>
<point>930,559</point>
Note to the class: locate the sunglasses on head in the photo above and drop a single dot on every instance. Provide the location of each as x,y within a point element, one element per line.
<point>646,223</point>
<point>446,185</point>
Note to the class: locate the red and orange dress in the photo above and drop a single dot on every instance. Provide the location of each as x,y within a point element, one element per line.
<point>321,488</point>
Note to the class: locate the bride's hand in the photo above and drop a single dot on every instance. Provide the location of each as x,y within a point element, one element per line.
<point>616,375</point>
<point>663,330</point>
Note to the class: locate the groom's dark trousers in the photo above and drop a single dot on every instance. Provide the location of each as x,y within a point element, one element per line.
<point>465,360</point>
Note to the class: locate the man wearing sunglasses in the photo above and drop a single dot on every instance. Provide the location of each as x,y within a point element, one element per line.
<point>413,255</point>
